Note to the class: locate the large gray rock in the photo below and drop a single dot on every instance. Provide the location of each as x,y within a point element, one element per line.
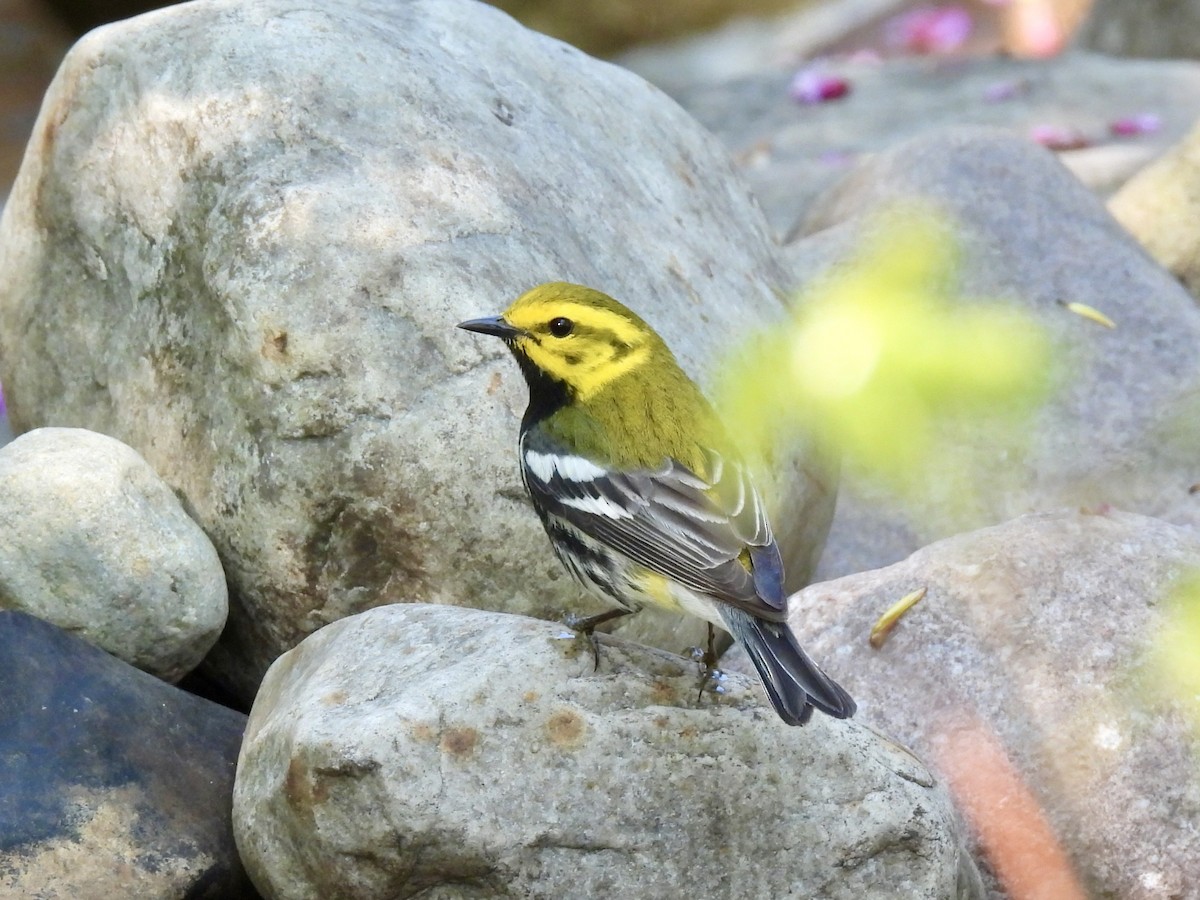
<point>1039,628</point>
<point>93,541</point>
<point>1119,427</point>
<point>428,750</point>
<point>791,153</point>
<point>241,241</point>
<point>114,784</point>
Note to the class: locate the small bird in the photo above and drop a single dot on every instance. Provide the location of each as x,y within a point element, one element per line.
<point>643,497</point>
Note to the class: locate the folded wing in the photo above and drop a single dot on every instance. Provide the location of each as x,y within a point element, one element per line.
<point>711,536</point>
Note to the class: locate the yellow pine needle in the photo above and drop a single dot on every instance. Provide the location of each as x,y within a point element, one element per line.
<point>888,620</point>
<point>1091,313</point>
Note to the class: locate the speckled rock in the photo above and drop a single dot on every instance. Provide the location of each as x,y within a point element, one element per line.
<point>241,241</point>
<point>114,784</point>
<point>457,753</point>
<point>1040,629</point>
<point>92,540</point>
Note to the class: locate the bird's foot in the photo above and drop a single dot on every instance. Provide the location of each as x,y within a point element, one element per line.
<point>711,678</point>
<point>586,627</point>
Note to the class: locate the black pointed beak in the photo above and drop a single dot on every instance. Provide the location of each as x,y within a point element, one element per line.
<point>493,325</point>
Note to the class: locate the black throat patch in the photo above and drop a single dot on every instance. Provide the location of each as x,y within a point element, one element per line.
<point>547,395</point>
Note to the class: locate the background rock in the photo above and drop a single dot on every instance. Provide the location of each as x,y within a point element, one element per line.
<point>33,42</point>
<point>601,26</point>
<point>93,541</point>
<point>419,748</point>
<point>1040,628</point>
<point>790,153</point>
<point>818,30</point>
<point>1119,428</point>
<point>1160,206</point>
<point>83,15</point>
<point>243,239</point>
<point>749,45</point>
<point>597,26</point>
<point>1153,28</point>
<point>114,783</point>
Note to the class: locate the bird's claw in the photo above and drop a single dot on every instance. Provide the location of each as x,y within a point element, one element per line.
<point>711,679</point>
<point>586,625</point>
<point>707,658</point>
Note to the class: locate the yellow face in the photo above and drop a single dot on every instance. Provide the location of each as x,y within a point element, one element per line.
<point>579,336</point>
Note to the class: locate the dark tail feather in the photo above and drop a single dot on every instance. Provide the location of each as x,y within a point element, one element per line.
<point>793,681</point>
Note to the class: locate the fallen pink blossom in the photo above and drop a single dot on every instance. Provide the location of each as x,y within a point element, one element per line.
<point>1058,137</point>
<point>812,85</point>
<point>930,29</point>
<point>1141,123</point>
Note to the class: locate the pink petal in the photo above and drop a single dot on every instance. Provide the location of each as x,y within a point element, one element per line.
<point>811,85</point>
<point>1058,137</point>
<point>930,29</point>
<point>1141,123</point>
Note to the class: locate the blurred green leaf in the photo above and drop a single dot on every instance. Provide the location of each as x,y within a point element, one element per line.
<point>1177,651</point>
<point>882,356</point>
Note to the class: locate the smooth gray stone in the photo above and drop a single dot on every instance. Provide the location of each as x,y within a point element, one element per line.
<point>418,750</point>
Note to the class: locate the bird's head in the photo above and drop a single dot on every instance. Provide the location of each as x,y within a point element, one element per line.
<point>574,335</point>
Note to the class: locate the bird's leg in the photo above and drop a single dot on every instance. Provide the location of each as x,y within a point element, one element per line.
<point>708,658</point>
<point>586,625</point>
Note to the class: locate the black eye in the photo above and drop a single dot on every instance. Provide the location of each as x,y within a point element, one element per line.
<point>561,326</point>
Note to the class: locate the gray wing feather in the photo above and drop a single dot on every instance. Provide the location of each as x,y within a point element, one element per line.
<point>678,525</point>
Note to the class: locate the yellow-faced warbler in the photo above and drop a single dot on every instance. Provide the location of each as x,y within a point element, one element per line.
<point>640,491</point>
